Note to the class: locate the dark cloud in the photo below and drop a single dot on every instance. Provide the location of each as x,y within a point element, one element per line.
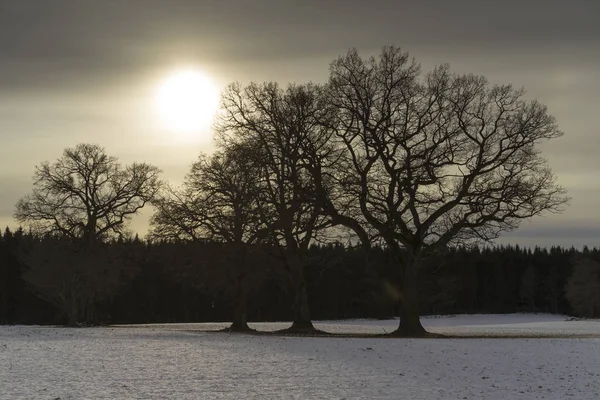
<point>53,42</point>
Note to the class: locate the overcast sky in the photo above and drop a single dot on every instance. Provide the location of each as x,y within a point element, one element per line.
<point>75,71</point>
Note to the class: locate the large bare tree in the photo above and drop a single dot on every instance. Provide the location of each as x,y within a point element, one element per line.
<point>283,126</point>
<point>86,194</point>
<point>218,202</point>
<point>433,160</point>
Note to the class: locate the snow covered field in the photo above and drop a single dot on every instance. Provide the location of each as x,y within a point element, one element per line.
<point>183,361</point>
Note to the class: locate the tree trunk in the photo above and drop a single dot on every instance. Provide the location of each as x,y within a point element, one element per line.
<point>240,321</point>
<point>302,321</point>
<point>410,323</point>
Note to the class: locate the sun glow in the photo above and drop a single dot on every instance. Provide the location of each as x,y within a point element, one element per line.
<point>187,102</point>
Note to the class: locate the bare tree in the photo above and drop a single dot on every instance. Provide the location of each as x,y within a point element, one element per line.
<point>82,198</point>
<point>218,202</point>
<point>86,194</point>
<point>435,160</point>
<point>283,126</point>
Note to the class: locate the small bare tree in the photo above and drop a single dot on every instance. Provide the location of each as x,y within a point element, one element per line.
<point>86,194</point>
<point>434,161</point>
<point>218,202</point>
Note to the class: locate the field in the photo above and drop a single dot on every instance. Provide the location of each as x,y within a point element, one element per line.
<point>536,357</point>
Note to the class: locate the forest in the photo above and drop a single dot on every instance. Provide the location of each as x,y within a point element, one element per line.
<point>161,282</point>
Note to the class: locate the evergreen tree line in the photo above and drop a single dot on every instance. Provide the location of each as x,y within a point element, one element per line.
<point>136,281</point>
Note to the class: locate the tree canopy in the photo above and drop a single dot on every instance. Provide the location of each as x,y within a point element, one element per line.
<point>87,194</point>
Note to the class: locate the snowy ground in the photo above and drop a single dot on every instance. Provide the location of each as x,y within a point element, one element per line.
<point>179,361</point>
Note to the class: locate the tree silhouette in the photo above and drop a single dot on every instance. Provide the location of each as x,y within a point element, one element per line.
<point>283,126</point>
<point>86,194</point>
<point>218,202</point>
<point>435,161</point>
<point>77,203</point>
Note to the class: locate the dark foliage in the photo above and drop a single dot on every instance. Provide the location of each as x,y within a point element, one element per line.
<point>187,282</point>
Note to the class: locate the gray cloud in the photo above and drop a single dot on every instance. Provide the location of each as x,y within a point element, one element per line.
<point>76,70</point>
<point>557,232</point>
<point>53,42</point>
<point>13,188</point>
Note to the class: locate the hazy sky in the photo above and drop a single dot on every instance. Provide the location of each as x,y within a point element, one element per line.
<point>75,71</point>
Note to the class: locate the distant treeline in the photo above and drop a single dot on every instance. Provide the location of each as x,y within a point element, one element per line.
<point>132,281</point>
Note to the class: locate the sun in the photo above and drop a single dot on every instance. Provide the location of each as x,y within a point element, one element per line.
<point>187,102</point>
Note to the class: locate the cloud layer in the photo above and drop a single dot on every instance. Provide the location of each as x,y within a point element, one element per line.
<point>74,71</point>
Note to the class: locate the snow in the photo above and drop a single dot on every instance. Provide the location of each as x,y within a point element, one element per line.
<point>185,361</point>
